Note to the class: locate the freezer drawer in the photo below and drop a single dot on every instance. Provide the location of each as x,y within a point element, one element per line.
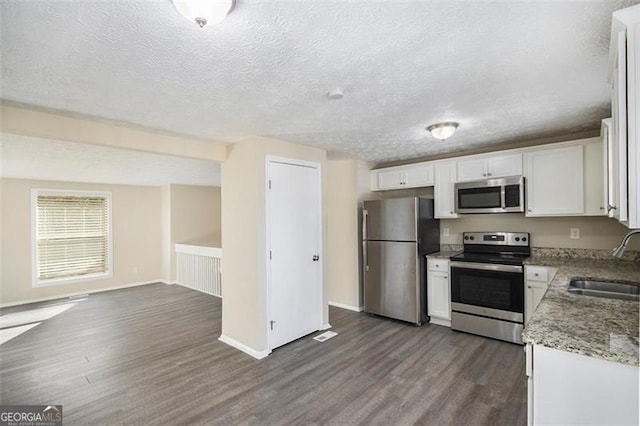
<point>392,280</point>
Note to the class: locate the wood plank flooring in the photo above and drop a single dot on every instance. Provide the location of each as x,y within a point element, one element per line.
<point>150,354</point>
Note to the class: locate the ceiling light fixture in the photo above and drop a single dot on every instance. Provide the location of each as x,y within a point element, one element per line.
<point>443,131</point>
<point>204,12</point>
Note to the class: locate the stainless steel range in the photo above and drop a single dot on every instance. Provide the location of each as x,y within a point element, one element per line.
<point>487,285</point>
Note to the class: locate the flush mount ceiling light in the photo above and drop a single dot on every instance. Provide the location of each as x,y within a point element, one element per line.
<point>204,12</point>
<point>443,131</point>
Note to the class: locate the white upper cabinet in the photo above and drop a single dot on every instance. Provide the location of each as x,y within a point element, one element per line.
<point>389,179</point>
<point>555,181</point>
<point>411,176</point>
<point>624,68</point>
<point>489,167</point>
<point>443,194</point>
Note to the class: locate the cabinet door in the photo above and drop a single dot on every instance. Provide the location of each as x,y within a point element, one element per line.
<point>555,182</point>
<point>391,179</point>
<point>419,176</point>
<point>619,121</point>
<point>594,179</point>
<point>533,295</point>
<point>443,192</point>
<point>439,303</point>
<point>472,170</point>
<point>504,165</point>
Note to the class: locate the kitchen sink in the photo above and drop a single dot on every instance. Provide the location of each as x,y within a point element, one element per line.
<point>624,290</point>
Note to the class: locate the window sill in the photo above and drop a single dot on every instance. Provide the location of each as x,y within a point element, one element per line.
<point>70,280</point>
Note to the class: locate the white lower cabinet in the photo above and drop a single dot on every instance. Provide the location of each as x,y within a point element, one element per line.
<point>438,292</point>
<point>537,279</point>
<point>568,388</point>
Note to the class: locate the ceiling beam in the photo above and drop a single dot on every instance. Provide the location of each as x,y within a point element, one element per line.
<point>57,126</point>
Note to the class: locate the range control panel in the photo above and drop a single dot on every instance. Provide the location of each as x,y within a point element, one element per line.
<point>497,238</point>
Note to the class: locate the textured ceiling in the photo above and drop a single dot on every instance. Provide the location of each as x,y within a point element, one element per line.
<point>23,157</point>
<point>506,70</point>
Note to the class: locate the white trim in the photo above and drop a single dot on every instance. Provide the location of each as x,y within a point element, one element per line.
<point>438,321</point>
<point>318,167</point>
<point>78,293</point>
<point>326,326</point>
<point>244,348</point>
<point>199,250</point>
<point>37,283</point>
<point>345,306</point>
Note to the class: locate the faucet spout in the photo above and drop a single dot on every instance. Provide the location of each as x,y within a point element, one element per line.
<point>619,251</point>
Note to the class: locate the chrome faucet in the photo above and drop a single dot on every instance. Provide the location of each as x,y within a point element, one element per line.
<point>619,251</point>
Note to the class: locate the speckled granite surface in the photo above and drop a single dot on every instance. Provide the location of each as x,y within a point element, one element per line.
<point>591,326</point>
<point>582,253</point>
<point>444,254</point>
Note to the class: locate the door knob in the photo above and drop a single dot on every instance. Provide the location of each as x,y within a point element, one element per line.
<point>316,258</point>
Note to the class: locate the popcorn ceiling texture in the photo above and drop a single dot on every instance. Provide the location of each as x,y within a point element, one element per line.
<point>505,70</point>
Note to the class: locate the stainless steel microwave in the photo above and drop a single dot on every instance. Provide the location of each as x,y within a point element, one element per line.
<point>501,195</point>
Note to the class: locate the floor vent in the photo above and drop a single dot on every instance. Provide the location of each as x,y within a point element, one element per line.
<point>325,336</point>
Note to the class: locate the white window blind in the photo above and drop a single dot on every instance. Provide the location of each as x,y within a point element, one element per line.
<point>72,236</point>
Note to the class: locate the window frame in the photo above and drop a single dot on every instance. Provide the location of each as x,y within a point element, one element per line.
<point>35,281</point>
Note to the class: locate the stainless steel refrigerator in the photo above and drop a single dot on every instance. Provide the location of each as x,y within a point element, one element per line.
<point>397,233</point>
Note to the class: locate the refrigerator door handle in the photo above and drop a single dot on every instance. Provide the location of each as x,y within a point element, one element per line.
<point>365,224</point>
<point>365,255</point>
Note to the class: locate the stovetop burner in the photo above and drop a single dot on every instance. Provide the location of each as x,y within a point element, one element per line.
<point>507,248</point>
<point>505,259</point>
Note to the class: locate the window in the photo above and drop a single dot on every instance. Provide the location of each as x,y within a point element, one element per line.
<point>71,236</point>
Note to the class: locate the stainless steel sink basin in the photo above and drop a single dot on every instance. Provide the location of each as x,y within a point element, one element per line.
<point>607,289</point>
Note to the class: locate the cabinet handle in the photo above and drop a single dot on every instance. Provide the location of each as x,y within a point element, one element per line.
<point>488,174</point>
<point>601,208</point>
<point>450,212</point>
<point>529,210</point>
<point>528,286</point>
<point>610,207</point>
<point>536,274</point>
<point>484,174</point>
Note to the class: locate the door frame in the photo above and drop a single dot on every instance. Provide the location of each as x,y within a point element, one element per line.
<point>321,290</point>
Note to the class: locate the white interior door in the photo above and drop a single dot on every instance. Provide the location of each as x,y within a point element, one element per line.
<point>295,266</point>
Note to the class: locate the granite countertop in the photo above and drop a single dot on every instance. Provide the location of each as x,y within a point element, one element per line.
<point>444,254</point>
<point>592,326</point>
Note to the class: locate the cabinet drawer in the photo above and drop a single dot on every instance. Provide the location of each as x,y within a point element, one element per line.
<point>441,265</point>
<point>537,273</point>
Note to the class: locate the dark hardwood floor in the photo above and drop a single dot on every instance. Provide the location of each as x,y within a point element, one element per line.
<point>150,354</point>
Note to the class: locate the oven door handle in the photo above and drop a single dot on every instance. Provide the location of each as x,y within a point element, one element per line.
<point>486,266</point>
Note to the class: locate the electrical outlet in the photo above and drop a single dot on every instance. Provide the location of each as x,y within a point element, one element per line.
<point>445,232</point>
<point>575,234</point>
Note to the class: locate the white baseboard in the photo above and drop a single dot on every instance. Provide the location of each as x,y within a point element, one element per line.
<point>244,348</point>
<point>326,326</point>
<point>438,321</point>
<point>345,306</point>
<point>77,293</point>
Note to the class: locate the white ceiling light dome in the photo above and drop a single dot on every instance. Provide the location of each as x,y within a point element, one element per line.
<point>443,131</point>
<point>204,12</point>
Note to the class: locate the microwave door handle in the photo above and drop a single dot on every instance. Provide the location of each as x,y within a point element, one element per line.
<point>503,203</point>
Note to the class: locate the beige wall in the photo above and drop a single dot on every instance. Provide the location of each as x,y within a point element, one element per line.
<point>595,232</point>
<point>244,238</point>
<point>342,233</point>
<point>136,239</point>
<point>195,214</point>
<point>147,221</point>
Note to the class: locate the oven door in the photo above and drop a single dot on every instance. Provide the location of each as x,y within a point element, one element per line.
<point>490,290</point>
